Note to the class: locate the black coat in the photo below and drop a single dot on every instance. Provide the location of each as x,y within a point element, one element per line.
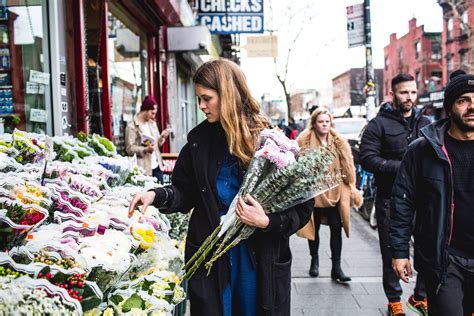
<point>385,141</point>
<point>194,186</point>
<point>424,185</point>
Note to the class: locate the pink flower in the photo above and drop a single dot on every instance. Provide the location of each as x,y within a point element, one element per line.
<point>273,153</point>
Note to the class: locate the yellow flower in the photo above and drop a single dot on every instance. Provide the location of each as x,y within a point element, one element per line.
<point>108,312</point>
<point>146,237</point>
<point>92,312</point>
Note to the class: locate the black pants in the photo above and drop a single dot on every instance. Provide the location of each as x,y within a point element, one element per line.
<point>157,173</point>
<point>334,221</point>
<point>391,283</point>
<point>455,296</point>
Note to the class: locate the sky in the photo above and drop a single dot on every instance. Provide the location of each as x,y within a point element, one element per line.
<point>321,52</point>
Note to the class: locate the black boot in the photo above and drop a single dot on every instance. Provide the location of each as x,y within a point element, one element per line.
<point>336,272</point>
<point>314,267</point>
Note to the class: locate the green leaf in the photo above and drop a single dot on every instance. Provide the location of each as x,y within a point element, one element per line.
<point>134,301</point>
<point>116,299</point>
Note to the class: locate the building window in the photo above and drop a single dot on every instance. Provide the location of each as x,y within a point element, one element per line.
<point>417,50</point>
<point>400,55</point>
<point>463,23</point>
<point>436,75</point>
<point>449,64</point>
<point>386,87</point>
<point>386,62</point>
<point>449,28</point>
<point>463,57</point>
<point>418,78</point>
<point>435,51</point>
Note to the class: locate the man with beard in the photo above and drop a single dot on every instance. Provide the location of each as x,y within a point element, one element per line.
<point>436,180</point>
<point>384,142</point>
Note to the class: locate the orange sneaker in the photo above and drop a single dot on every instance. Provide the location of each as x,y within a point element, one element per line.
<point>395,309</point>
<point>420,307</point>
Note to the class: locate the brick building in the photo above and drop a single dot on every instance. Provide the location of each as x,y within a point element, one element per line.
<point>302,100</point>
<point>457,43</point>
<point>348,87</point>
<point>417,53</point>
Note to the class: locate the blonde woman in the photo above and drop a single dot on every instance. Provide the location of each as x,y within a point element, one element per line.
<point>254,279</point>
<point>332,207</point>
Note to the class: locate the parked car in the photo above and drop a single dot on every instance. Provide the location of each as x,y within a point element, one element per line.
<point>350,128</point>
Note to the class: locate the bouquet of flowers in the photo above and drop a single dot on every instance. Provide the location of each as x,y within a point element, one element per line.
<point>17,299</point>
<point>279,176</point>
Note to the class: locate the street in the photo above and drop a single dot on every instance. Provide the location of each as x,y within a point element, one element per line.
<point>361,261</point>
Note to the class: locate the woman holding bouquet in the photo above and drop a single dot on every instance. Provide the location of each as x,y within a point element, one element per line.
<point>254,277</point>
<point>333,206</point>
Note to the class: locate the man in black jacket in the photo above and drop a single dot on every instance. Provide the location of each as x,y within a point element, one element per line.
<point>436,180</point>
<point>384,142</point>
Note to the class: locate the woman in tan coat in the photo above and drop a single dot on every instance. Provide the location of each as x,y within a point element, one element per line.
<point>142,138</point>
<point>333,207</point>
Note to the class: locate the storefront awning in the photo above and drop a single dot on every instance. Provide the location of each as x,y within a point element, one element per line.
<point>196,39</point>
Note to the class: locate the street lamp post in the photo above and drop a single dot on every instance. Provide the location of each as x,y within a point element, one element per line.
<point>370,82</point>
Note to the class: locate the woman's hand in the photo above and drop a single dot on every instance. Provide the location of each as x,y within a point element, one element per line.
<point>251,213</point>
<point>145,199</point>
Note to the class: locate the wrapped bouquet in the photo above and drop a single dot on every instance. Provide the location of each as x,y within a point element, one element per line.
<point>279,176</point>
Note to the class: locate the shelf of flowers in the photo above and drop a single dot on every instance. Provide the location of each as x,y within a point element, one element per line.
<point>67,243</point>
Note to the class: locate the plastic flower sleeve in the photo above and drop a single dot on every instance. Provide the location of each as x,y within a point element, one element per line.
<point>279,177</point>
<point>27,296</point>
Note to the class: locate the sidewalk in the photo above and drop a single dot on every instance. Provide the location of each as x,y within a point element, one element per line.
<point>361,261</point>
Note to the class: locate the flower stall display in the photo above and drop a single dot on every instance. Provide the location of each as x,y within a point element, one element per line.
<point>67,245</point>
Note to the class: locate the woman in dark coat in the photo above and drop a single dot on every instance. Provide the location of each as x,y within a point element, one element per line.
<point>255,277</point>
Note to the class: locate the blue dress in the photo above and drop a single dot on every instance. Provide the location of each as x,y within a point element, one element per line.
<point>240,295</point>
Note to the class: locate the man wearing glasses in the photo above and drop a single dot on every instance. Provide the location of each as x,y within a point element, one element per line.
<point>436,180</point>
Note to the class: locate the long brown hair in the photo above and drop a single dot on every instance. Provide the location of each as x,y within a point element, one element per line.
<point>240,114</point>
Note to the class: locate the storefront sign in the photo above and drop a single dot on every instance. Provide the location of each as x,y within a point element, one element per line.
<point>262,46</point>
<point>38,115</point>
<point>39,77</point>
<point>169,161</point>
<point>355,25</point>
<point>34,88</point>
<point>231,16</point>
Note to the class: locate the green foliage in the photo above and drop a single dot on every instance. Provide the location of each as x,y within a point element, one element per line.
<point>134,301</point>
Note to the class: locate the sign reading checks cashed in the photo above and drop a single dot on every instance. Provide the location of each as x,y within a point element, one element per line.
<point>231,16</point>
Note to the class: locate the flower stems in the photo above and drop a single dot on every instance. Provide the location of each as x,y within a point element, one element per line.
<point>202,248</point>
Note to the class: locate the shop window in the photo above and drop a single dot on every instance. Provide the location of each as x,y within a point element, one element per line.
<point>128,74</point>
<point>25,93</point>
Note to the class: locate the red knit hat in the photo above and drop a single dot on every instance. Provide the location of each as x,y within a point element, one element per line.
<point>148,103</point>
